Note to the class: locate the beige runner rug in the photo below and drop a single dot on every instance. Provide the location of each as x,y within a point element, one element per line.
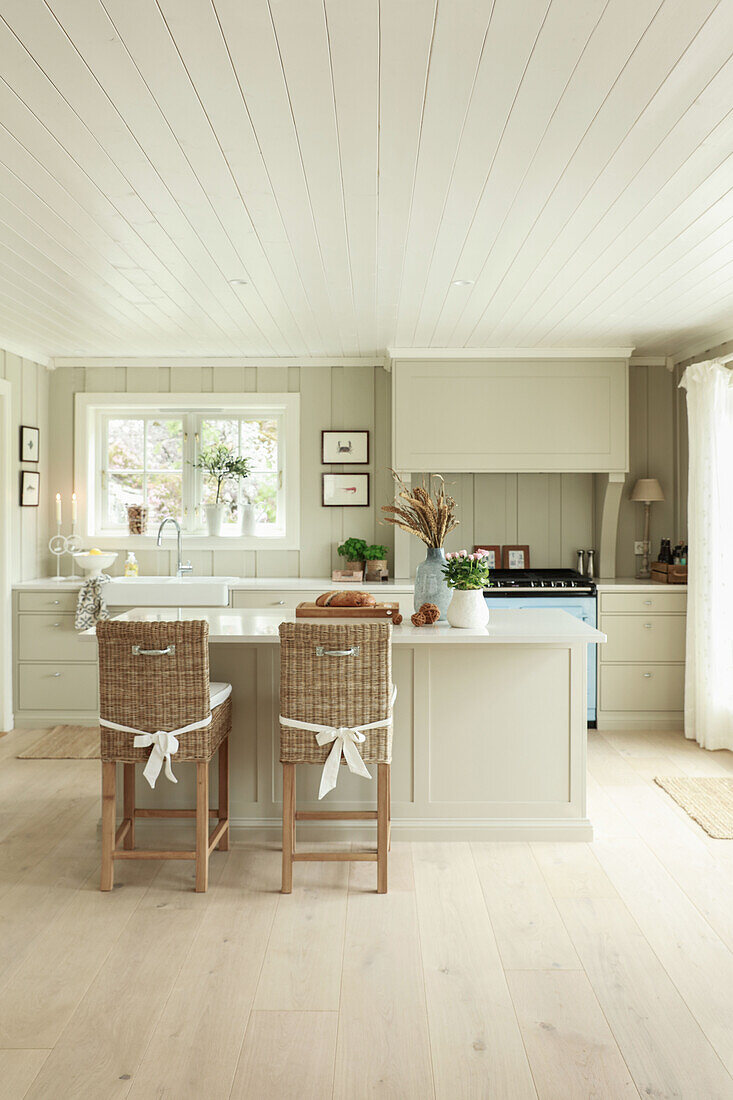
<point>708,801</point>
<point>65,743</point>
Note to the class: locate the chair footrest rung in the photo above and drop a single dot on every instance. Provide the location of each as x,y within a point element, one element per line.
<point>171,813</point>
<point>152,853</point>
<point>217,834</point>
<point>333,857</point>
<point>336,815</point>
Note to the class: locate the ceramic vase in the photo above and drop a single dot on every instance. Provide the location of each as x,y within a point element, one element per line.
<point>430,586</point>
<point>214,518</point>
<point>468,608</point>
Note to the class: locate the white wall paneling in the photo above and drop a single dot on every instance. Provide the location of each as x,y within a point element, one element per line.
<point>352,159</point>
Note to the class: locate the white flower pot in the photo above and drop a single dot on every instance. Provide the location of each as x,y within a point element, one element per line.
<point>249,519</point>
<point>468,608</point>
<point>214,518</point>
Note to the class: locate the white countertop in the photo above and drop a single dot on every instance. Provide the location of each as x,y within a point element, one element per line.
<point>521,627</point>
<point>239,584</point>
<point>631,584</point>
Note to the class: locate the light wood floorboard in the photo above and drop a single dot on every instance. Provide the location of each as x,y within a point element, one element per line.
<point>489,970</point>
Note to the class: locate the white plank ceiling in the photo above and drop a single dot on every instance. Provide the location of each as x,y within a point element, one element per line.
<point>569,161</point>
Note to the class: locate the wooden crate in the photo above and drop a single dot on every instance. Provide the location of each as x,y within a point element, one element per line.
<point>664,573</point>
<point>313,611</point>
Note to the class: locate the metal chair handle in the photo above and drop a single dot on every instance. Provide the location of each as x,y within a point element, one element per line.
<point>352,652</point>
<point>138,652</point>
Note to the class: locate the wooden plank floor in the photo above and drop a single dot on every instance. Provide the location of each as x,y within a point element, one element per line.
<point>490,970</point>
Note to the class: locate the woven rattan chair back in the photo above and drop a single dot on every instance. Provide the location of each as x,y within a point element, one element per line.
<point>163,689</point>
<point>333,690</point>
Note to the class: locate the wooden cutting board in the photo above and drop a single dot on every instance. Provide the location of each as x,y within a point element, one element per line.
<point>313,611</point>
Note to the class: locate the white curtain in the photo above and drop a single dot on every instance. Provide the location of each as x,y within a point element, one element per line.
<point>709,669</point>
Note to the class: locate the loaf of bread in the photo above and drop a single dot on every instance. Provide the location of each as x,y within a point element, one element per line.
<point>346,599</point>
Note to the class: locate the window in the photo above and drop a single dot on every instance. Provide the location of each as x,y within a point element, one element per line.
<point>142,449</point>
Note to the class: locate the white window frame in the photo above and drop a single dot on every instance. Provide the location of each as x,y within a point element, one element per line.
<point>93,408</point>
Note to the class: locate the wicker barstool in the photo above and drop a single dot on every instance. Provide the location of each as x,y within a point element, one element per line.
<point>336,695</point>
<point>153,678</point>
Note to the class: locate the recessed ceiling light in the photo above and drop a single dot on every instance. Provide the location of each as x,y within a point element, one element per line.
<point>462,282</point>
<point>239,282</point>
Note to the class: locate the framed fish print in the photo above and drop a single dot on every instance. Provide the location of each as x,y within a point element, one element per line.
<point>515,557</point>
<point>29,443</point>
<point>345,445</point>
<point>345,490</point>
<point>30,488</point>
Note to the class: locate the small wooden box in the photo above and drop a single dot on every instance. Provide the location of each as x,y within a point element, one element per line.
<point>313,611</point>
<point>349,576</point>
<point>664,573</point>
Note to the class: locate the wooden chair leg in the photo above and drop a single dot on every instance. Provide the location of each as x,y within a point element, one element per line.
<point>202,826</point>
<point>389,807</point>
<point>294,802</point>
<point>223,845</point>
<point>288,826</point>
<point>109,820</point>
<point>129,804</point>
<point>382,826</point>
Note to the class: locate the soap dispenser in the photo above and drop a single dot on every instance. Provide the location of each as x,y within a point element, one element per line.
<point>131,566</point>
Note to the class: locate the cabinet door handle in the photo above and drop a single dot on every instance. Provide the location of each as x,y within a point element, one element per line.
<point>281,603</point>
<point>647,675</point>
<point>57,624</point>
<point>647,603</point>
<point>647,626</point>
<point>56,603</point>
<point>56,675</point>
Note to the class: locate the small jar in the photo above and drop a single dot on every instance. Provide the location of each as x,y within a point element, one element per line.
<point>137,519</point>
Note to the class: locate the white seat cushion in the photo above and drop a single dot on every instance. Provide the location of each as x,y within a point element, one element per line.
<point>218,693</point>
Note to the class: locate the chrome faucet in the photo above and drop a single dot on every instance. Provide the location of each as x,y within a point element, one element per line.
<point>180,567</point>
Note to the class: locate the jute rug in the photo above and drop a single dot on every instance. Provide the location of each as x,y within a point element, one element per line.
<point>65,743</point>
<point>708,801</point>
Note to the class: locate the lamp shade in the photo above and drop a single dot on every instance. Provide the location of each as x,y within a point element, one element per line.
<point>647,489</point>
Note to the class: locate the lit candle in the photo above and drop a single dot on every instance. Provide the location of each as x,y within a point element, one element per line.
<point>73,507</point>
<point>58,508</point>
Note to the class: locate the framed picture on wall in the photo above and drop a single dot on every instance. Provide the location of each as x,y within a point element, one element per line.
<point>345,490</point>
<point>29,443</point>
<point>515,557</point>
<point>30,488</point>
<point>345,445</point>
<point>493,554</point>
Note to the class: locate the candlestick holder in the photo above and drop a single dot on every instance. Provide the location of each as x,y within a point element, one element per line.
<point>59,545</point>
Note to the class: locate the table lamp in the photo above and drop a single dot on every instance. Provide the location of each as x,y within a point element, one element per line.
<point>646,490</point>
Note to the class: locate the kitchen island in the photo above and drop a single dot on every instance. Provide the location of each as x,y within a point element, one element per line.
<point>489,728</point>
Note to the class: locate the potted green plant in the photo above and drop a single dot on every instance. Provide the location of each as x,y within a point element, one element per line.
<point>468,575</point>
<point>353,551</point>
<point>375,557</point>
<point>220,464</point>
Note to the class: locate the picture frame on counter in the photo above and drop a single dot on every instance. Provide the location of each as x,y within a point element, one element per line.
<point>345,446</point>
<point>515,557</point>
<point>345,490</point>
<point>493,554</point>
<point>30,443</point>
<point>30,488</point>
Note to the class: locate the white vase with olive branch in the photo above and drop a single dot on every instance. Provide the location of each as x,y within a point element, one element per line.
<point>221,464</point>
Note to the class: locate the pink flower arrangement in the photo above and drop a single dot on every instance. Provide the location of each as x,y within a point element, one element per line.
<point>466,571</point>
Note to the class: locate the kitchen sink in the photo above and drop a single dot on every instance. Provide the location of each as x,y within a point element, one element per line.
<point>168,591</point>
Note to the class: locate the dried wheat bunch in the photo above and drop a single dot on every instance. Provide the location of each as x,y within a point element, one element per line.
<point>425,510</point>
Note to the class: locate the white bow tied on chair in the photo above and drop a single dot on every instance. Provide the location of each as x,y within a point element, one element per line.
<point>345,739</point>
<point>165,745</point>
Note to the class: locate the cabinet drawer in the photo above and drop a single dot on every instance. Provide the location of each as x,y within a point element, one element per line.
<point>643,638</point>
<point>52,638</point>
<point>644,603</point>
<point>50,687</point>
<point>642,687</point>
<point>47,601</point>
<point>272,600</point>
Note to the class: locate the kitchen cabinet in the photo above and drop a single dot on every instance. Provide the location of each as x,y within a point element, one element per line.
<point>641,669</point>
<point>510,415</point>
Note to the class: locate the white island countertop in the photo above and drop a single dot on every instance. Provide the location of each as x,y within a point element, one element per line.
<point>544,626</point>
